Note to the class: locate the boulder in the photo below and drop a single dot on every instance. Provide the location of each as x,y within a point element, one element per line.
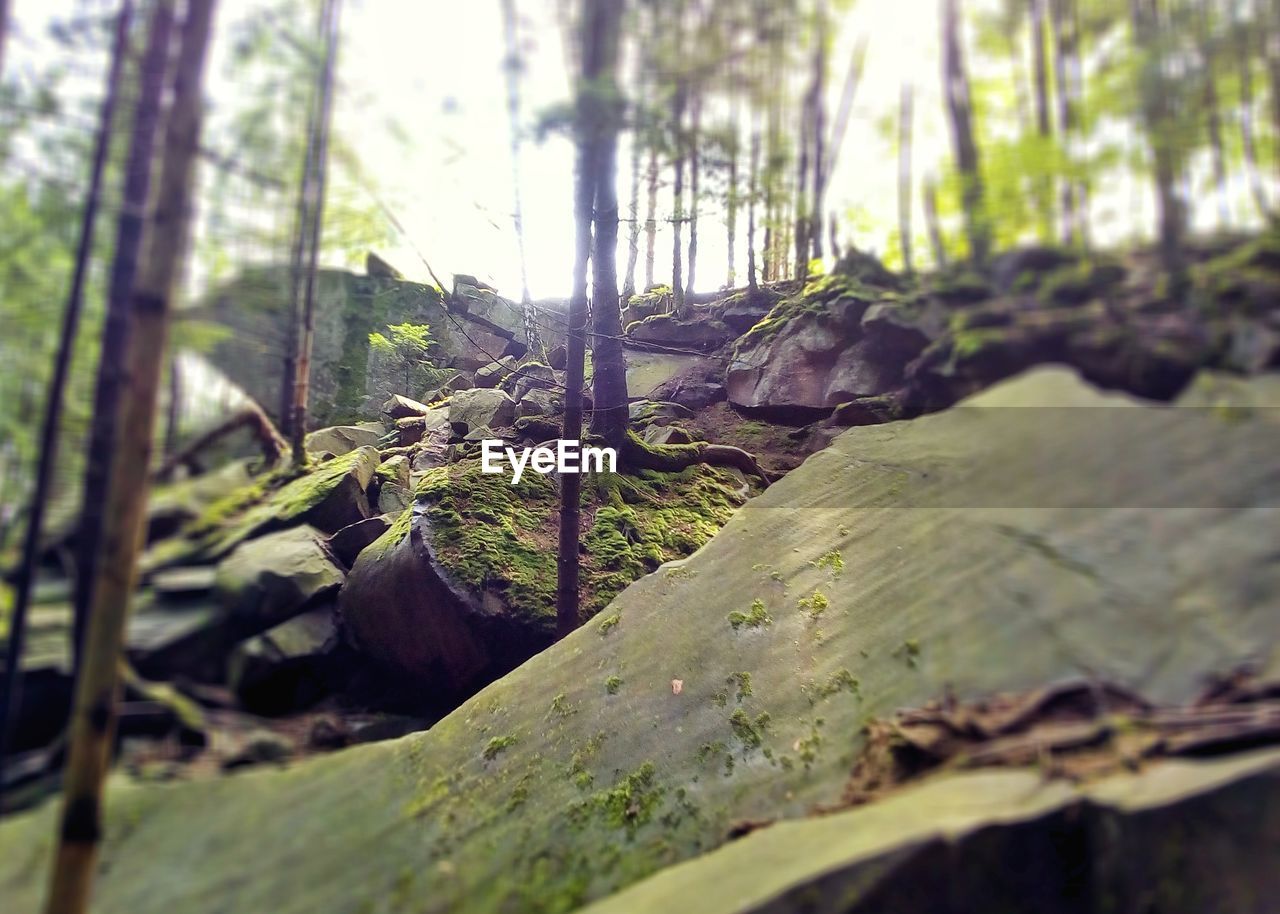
<point>493,374</point>
<point>348,542</point>
<point>378,268</point>
<point>285,668</point>
<point>656,412</point>
<point>743,310</point>
<point>459,380</point>
<point>270,579</point>
<point>413,429</point>
<point>399,407</point>
<point>1043,532</point>
<point>1022,269</point>
<point>393,498</point>
<point>532,376</point>
<point>558,357</point>
<point>540,403</point>
<point>342,439</point>
<point>666,434</point>
<point>395,470</point>
<point>480,407</point>
<point>668,331</point>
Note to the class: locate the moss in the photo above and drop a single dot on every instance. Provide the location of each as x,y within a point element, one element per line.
<point>497,746</point>
<point>1246,278</point>
<point>493,536</point>
<point>818,297</point>
<point>749,732</point>
<point>1076,283</point>
<point>908,651</point>
<point>607,625</point>
<point>832,560</point>
<point>393,536</point>
<point>839,681</point>
<point>560,707</point>
<point>743,682</point>
<point>960,286</point>
<point>755,618</point>
<point>613,684</point>
<point>629,804</point>
<point>815,605</point>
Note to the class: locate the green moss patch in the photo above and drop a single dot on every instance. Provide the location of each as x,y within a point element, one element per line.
<point>818,297</point>
<point>493,536</point>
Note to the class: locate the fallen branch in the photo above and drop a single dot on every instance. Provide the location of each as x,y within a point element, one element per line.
<point>251,416</point>
<point>670,458</point>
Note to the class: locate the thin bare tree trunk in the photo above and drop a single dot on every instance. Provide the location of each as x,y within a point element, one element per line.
<point>651,218</point>
<point>695,169</point>
<point>1064,46</point>
<point>851,79</point>
<point>677,191</point>
<point>801,224</point>
<point>932,223</point>
<point>751,210</point>
<point>819,128</point>
<point>299,248</point>
<point>513,65</point>
<point>115,330</point>
<point>48,459</point>
<point>600,23</point>
<point>93,716</point>
<point>301,387</point>
<point>1244,51</point>
<point>964,143</point>
<point>633,210</point>
<point>904,176</point>
<point>4,30</point>
<point>610,413</point>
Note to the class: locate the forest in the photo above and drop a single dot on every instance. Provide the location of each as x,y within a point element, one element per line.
<point>934,349</point>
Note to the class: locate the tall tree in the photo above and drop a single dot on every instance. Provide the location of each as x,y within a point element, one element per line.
<point>651,214</point>
<point>904,175</point>
<point>93,714</point>
<point>955,85</point>
<point>300,242</point>
<point>819,116</point>
<point>678,100</point>
<point>600,28</point>
<point>1208,44</point>
<point>115,332</point>
<point>315,208</point>
<point>1156,98</point>
<point>934,227</point>
<point>694,145</point>
<point>754,172</point>
<point>513,66</point>
<point>48,459</point>
<point>638,142</point>
<point>1243,47</point>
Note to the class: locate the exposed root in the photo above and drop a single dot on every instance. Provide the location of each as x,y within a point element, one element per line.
<point>670,458</point>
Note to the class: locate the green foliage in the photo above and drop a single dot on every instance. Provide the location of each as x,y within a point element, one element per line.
<point>756,617</point>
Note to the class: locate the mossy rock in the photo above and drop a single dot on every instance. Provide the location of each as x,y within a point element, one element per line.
<point>463,586</point>
<point>838,298</point>
<point>329,497</point>
<point>1246,279</point>
<point>1078,283</point>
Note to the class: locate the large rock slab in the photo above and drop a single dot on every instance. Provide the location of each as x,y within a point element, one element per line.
<point>270,579</point>
<point>1032,534</point>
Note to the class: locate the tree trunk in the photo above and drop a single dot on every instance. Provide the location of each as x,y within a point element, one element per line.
<point>600,23</point>
<point>1213,116</point>
<point>960,119</point>
<point>677,192</point>
<point>651,218</point>
<point>933,225</point>
<point>731,192</point>
<point>819,116</point>
<point>1244,55</point>
<point>608,365</point>
<point>173,406</point>
<point>301,387</point>
<point>847,94</point>
<point>904,176</point>
<point>4,30</point>
<point>1272,54</point>
<point>752,283</point>
<point>48,453</point>
<point>695,127</point>
<point>93,715</point>
<point>1064,44</point>
<point>801,225</point>
<point>1158,118</point>
<point>1044,127</point>
<point>115,330</point>
<point>300,248</point>
<point>633,211</point>
<point>513,66</point>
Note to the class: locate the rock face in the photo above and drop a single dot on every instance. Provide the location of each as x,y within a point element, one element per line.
<point>1080,535</point>
<point>343,439</point>
<point>348,378</point>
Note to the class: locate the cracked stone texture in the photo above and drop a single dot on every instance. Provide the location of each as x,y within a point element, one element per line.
<point>1041,531</point>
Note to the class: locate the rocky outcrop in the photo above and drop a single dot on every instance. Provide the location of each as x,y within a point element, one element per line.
<point>349,379</point>
<point>480,408</point>
<point>1040,546</point>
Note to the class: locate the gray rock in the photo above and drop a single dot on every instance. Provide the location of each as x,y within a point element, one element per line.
<point>284,668</point>
<point>480,407</point>
<point>267,580</point>
<point>399,407</point>
<point>342,439</point>
<point>348,542</point>
<point>540,403</point>
<point>493,374</point>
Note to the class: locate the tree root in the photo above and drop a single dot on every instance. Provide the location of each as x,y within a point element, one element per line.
<point>670,458</point>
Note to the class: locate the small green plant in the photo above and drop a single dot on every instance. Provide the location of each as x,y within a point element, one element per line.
<point>612,685</point>
<point>406,343</point>
<point>607,624</point>
<point>497,746</point>
<point>815,605</point>
<point>757,617</point>
<point>749,732</point>
<point>909,651</point>
<point>832,560</point>
<point>743,681</point>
